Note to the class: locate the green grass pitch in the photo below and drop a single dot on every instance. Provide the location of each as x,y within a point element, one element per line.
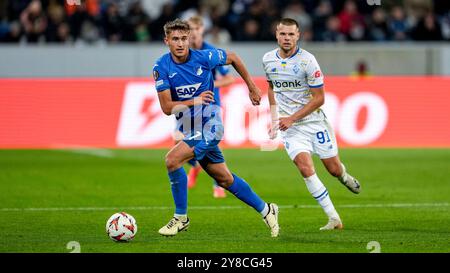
<point>51,197</point>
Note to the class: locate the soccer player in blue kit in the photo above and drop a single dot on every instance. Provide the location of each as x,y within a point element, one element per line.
<point>184,82</point>
<point>222,78</point>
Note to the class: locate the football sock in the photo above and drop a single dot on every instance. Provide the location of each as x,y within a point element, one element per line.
<point>178,181</point>
<point>265,210</point>
<point>320,193</point>
<point>244,192</point>
<point>182,217</point>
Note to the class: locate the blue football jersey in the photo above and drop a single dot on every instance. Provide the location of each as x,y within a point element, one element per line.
<point>188,80</point>
<point>222,70</point>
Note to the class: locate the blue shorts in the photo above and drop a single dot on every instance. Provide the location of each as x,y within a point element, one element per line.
<point>206,152</point>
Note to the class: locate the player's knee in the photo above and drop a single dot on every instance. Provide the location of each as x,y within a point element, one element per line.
<point>172,163</point>
<point>306,170</point>
<point>225,180</point>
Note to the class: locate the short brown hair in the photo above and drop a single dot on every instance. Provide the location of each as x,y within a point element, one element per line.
<point>196,19</point>
<point>289,22</point>
<point>176,24</point>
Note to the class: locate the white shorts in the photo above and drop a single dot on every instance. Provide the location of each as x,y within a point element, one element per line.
<point>315,137</point>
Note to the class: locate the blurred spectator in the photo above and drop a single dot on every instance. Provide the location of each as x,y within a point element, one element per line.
<point>34,21</point>
<point>250,27</point>
<point>12,34</point>
<point>218,36</point>
<point>57,29</point>
<point>378,28</point>
<point>137,24</point>
<point>166,15</point>
<point>297,12</point>
<point>398,25</point>
<point>428,29</point>
<point>445,26</point>
<point>357,31</point>
<point>112,23</point>
<point>270,20</point>
<point>332,33</point>
<point>351,21</point>
<point>321,14</point>
<point>250,31</point>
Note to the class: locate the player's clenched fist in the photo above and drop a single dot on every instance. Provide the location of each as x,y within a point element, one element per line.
<point>285,123</point>
<point>255,95</point>
<point>206,98</point>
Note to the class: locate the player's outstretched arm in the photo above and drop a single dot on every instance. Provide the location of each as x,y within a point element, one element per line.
<point>317,100</point>
<point>236,62</point>
<point>169,106</point>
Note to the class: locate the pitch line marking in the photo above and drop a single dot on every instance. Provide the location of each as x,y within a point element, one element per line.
<point>393,205</point>
<point>84,150</point>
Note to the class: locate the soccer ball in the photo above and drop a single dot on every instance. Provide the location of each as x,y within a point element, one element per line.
<point>121,227</point>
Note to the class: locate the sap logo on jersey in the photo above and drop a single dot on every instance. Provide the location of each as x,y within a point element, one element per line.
<point>287,84</point>
<point>187,91</point>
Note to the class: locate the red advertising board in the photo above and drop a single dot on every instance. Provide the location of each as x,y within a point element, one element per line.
<point>125,112</point>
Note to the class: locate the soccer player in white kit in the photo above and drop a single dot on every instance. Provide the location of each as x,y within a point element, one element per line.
<point>295,95</point>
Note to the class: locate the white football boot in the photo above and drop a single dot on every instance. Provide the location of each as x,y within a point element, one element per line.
<point>349,181</point>
<point>333,223</point>
<point>174,226</point>
<point>271,220</point>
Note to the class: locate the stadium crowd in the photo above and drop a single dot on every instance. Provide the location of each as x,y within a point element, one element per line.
<point>93,21</point>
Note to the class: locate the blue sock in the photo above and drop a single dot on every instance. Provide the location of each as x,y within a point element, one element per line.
<point>242,190</point>
<point>192,162</point>
<point>178,181</point>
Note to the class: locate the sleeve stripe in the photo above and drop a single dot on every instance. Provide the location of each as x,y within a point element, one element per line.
<point>315,86</point>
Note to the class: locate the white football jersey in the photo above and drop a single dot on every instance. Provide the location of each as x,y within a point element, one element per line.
<point>292,79</point>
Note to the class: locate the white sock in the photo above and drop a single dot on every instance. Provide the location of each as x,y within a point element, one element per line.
<point>265,210</point>
<point>320,193</point>
<point>181,217</point>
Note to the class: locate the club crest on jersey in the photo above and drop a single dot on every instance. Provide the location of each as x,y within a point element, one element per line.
<point>187,91</point>
<point>296,69</point>
<point>199,71</point>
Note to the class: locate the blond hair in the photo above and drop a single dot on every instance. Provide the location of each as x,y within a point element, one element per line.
<point>176,24</point>
<point>196,20</point>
